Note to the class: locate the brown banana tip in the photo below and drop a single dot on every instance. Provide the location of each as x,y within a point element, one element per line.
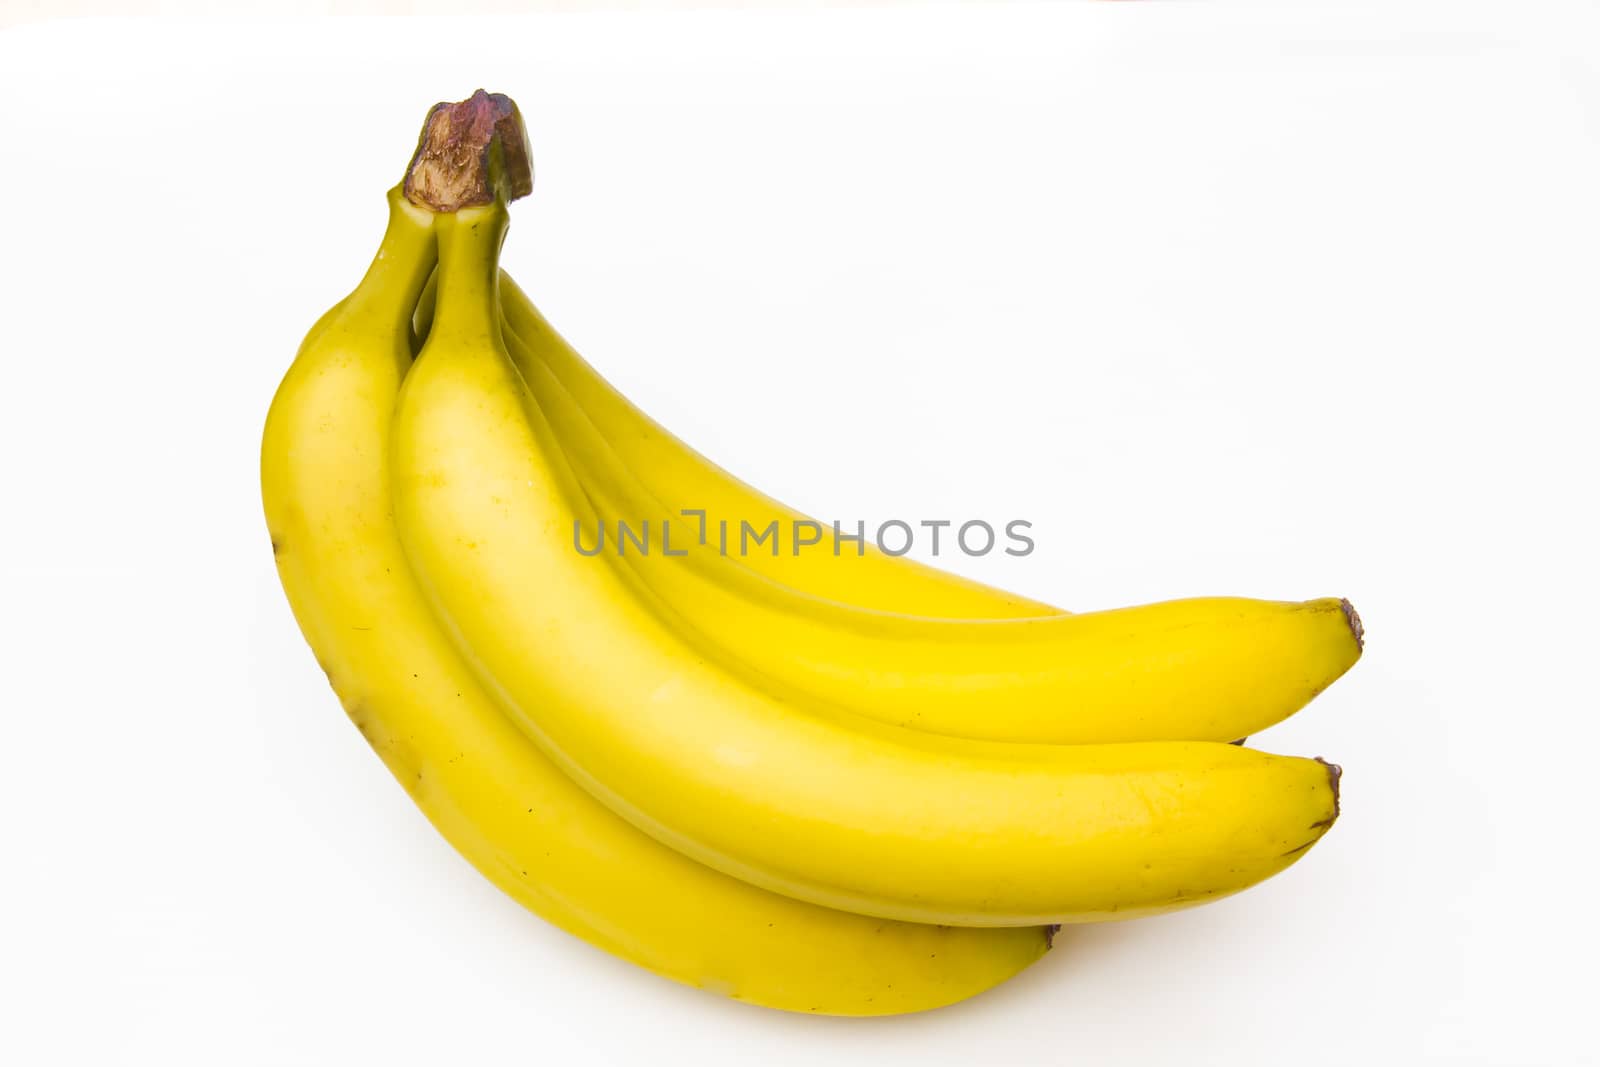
<point>1335,772</point>
<point>1050,933</point>
<point>1354,621</point>
<point>469,152</point>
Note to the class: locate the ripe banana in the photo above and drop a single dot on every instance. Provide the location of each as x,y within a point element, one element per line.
<point>1206,669</point>
<point>828,807</point>
<point>1210,669</point>
<point>508,810</point>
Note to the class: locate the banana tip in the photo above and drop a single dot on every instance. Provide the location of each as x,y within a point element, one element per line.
<point>1335,772</point>
<point>1354,620</point>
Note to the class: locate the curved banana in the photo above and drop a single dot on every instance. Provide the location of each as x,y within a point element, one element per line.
<point>483,785</point>
<point>1207,669</point>
<point>831,808</point>
<point>671,470</point>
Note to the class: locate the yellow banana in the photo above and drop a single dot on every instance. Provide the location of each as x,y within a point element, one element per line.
<point>1208,669</point>
<point>821,805</point>
<point>483,785</point>
<point>1201,669</point>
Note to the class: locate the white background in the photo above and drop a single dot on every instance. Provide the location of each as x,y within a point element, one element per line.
<point>1286,299</point>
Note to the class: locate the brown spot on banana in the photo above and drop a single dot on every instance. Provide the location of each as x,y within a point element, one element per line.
<point>358,716</point>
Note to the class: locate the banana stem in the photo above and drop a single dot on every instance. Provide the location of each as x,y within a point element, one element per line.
<point>470,153</point>
<point>468,300</point>
<point>389,291</point>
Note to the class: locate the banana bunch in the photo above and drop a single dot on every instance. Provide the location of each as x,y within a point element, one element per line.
<point>822,782</point>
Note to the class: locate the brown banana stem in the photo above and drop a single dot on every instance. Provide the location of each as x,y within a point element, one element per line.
<point>470,152</point>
